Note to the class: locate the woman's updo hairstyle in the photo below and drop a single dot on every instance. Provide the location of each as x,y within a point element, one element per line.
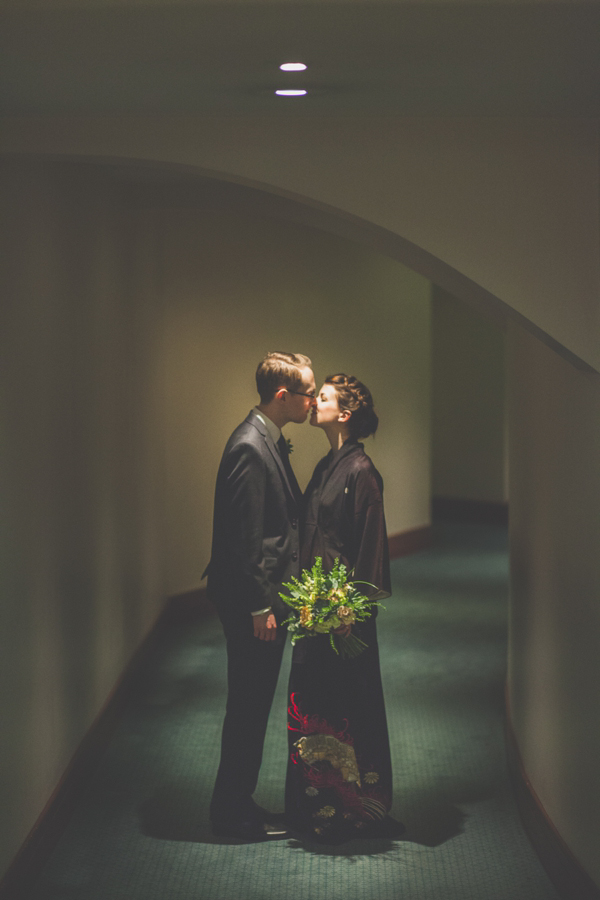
<point>356,397</point>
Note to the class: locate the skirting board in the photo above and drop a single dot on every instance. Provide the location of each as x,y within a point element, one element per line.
<point>191,604</point>
<point>404,543</point>
<point>566,873</point>
<point>476,512</point>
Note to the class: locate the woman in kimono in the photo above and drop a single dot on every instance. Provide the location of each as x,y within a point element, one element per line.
<point>339,777</point>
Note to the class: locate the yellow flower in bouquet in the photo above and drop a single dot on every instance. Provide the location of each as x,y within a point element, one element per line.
<point>305,616</point>
<point>338,595</point>
<point>322,601</point>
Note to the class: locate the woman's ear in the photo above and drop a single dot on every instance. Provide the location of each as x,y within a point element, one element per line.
<point>344,415</point>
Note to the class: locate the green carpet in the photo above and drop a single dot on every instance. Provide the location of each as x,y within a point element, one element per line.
<point>141,832</point>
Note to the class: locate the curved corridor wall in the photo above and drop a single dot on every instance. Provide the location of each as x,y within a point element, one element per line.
<point>503,208</point>
<point>554,664</point>
<point>130,333</point>
<point>510,206</point>
<point>81,472</point>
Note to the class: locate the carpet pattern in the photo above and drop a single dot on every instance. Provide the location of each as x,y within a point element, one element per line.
<point>141,831</point>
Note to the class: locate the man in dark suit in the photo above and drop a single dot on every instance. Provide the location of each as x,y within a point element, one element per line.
<point>255,549</point>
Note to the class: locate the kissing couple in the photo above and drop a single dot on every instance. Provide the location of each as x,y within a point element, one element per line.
<point>339,776</point>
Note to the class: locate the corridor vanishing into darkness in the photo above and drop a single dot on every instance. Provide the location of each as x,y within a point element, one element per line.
<point>141,832</point>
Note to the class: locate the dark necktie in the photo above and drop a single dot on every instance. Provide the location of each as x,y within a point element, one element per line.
<point>284,452</point>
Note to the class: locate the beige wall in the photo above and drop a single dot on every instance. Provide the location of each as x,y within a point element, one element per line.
<point>129,338</point>
<point>468,403</point>
<point>81,570</point>
<point>554,664</point>
<point>237,285</point>
<point>504,205</point>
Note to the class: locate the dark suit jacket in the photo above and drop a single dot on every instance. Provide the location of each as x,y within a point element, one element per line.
<point>255,543</point>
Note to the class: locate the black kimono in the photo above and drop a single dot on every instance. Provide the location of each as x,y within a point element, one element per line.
<point>339,777</point>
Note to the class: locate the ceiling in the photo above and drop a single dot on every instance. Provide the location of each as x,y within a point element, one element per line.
<point>403,58</point>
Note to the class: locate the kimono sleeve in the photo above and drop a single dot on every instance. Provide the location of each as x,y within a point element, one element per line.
<point>371,553</point>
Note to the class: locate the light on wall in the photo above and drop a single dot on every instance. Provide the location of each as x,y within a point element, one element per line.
<point>292,67</point>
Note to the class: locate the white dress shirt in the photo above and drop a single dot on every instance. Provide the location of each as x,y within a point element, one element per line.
<point>269,424</point>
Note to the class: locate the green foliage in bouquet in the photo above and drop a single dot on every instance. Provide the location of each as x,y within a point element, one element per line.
<point>322,601</point>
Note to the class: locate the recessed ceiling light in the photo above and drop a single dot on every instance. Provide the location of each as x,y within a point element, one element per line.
<point>290,93</point>
<point>292,67</point>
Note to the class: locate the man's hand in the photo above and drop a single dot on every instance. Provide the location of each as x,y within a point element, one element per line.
<point>265,627</point>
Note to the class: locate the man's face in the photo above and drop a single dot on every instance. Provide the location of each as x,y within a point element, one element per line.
<point>300,403</point>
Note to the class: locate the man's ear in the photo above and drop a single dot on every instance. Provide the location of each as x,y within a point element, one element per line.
<point>281,394</point>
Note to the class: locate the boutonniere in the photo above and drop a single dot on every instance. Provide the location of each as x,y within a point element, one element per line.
<point>290,446</point>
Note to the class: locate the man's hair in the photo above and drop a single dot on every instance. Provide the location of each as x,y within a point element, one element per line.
<point>279,370</point>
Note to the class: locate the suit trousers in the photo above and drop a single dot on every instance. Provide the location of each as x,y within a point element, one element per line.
<point>252,671</point>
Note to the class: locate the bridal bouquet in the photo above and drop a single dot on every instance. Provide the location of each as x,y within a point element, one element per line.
<point>321,602</point>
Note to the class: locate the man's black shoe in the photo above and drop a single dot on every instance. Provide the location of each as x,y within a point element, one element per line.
<point>251,831</point>
<point>271,818</point>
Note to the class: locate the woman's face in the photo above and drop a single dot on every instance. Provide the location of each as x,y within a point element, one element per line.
<point>326,410</point>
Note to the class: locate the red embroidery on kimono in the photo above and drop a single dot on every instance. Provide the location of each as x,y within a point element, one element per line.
<point>315,724</point>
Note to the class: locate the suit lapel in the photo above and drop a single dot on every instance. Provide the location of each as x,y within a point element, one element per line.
<point>254,420</point>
